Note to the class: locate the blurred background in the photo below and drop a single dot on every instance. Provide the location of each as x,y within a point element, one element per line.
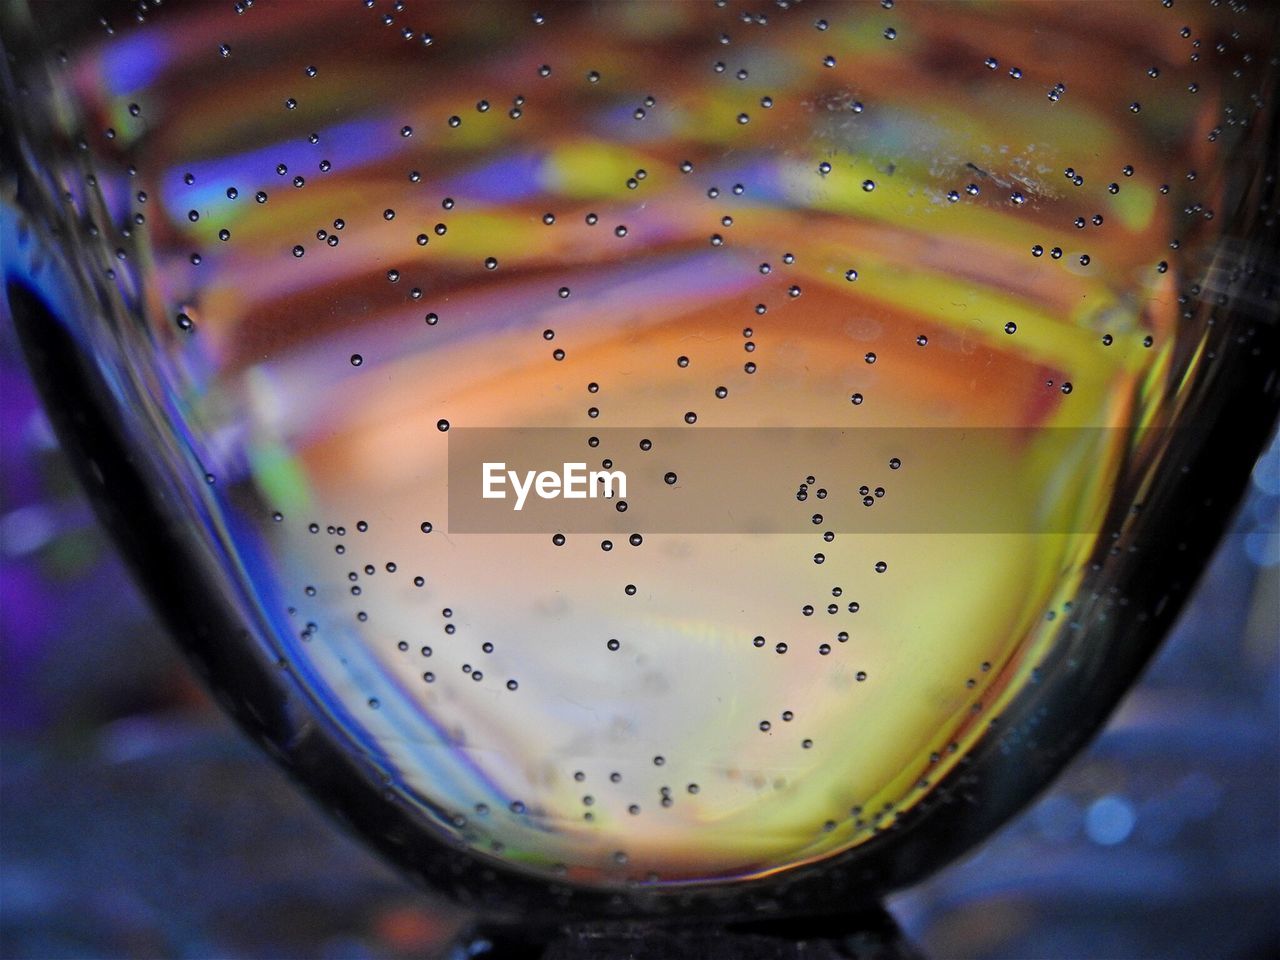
<point>135,821</point>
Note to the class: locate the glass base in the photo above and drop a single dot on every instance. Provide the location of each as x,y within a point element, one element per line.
<point>867,935</point>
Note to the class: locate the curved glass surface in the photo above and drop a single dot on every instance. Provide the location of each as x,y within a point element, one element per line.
<point>913,330</point>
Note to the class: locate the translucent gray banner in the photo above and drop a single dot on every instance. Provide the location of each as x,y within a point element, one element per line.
<point>783,480</point>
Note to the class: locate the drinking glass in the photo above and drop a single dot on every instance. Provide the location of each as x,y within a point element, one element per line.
<point>666,473</point>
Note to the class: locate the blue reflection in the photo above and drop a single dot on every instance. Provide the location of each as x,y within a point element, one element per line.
<point>133,61</point>
<point>345,145</point>
<point>508,180</point>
